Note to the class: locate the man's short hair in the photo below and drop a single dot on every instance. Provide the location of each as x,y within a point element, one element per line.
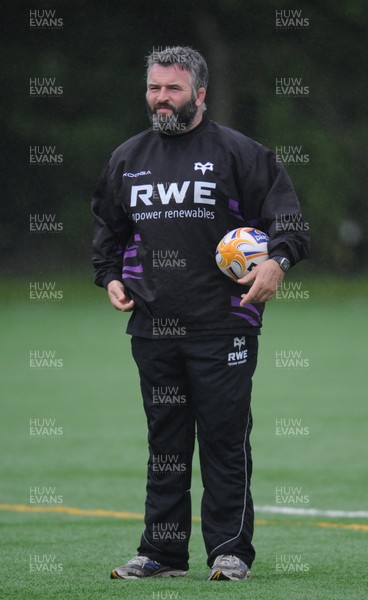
<point>183,57</point>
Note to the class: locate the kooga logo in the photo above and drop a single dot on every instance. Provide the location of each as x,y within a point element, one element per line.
<point>137,174</point>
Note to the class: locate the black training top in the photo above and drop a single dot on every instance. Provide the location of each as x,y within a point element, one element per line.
<point>162,205</point>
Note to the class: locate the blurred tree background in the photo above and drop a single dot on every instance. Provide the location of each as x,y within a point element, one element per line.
<point>98,57</point>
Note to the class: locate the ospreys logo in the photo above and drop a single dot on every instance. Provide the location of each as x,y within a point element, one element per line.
<point>208,166</point>
<point>238,357</point>
<point>239,342</point>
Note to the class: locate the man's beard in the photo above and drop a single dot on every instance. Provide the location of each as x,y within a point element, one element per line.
<point>176,123</point>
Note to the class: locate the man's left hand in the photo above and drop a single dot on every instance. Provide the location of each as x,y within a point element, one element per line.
<point>264,279</point>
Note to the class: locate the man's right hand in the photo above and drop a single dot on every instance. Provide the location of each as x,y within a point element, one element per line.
<point>118,296</point>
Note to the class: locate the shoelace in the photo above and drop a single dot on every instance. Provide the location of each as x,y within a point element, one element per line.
<point>140,560</point>
<point>229,560</point>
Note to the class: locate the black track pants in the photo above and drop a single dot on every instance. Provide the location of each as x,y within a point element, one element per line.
<point>203,384</point>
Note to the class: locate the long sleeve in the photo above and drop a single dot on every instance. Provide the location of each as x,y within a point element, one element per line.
<point>272,196</point>
<point>112,230</point>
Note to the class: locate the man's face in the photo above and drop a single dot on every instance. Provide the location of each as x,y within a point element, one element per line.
<point>170,102</point>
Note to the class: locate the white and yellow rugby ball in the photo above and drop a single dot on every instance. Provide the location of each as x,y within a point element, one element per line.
<point>240,250</point>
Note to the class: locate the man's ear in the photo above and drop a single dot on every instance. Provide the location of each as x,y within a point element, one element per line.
<point>201,94</point>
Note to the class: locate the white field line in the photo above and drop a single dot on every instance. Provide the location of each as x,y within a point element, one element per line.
<point>311,512</point>
<point>286,510</point>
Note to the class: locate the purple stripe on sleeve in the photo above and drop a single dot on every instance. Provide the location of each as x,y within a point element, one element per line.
<point>138,269</point>
<point>247,318</point>
<point>127,276</point>
<point>253,309</point>
<point>234,209</point>
<point>234,205</point>
<point>130,253</point>
<point>235,301</point>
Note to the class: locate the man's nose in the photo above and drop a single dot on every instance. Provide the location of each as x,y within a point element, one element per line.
<point>163,96</point>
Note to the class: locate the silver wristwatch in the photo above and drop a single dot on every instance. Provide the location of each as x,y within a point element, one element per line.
<point>283,262</point>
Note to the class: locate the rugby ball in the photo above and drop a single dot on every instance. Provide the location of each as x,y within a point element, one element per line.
<point>240,250</point>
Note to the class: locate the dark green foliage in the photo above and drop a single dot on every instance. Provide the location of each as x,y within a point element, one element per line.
<point>97,56</point>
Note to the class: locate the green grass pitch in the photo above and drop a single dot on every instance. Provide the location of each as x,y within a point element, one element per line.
<point>98,460</point>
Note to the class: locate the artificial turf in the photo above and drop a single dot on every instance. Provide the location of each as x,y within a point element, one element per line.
<point>99,459</point>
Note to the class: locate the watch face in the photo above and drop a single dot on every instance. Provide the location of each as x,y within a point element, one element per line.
<point>284,264</point>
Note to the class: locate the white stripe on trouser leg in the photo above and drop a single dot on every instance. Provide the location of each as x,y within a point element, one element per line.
<point>245,491</point>
<point>152,546</point>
